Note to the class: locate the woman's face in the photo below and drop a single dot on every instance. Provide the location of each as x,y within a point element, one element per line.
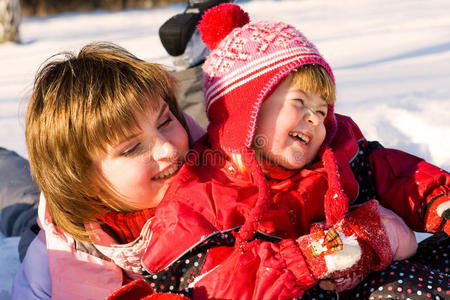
<point>141,167</point>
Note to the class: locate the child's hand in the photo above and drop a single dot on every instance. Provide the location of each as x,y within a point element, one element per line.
<point>349,249</point>
<point>344,283</point>
<point>328,252</point>
<point>437,218</point>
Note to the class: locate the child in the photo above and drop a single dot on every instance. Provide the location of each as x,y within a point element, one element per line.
<point>269,98</point>
<point>105,139</point>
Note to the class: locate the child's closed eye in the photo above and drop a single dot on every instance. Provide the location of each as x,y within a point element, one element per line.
<point>134,149</point>
<point>299,101</point>
<point>322,113</point>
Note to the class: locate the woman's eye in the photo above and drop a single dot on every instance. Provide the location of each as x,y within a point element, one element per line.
<point>130,151</point>
<point>165,123</point>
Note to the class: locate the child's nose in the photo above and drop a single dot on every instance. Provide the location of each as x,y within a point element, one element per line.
<point>164,150</point>
<point>312,117</point>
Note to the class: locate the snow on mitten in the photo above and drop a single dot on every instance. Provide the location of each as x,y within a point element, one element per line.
<point>349,249</point>
<point>437,216</point>
<point>141,290</point>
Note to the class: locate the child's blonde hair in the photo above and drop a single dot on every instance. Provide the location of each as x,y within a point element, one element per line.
<point>80,104</point>
<point>315,79</point>
<point>310,78</point>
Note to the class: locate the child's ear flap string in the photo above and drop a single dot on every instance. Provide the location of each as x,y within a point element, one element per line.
<point>248,230</point>
<point>336,201</point>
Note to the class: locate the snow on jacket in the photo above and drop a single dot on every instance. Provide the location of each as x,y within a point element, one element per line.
<point>58,267</point>
<point>193,250</point>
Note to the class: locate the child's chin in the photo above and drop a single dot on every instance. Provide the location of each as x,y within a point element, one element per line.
<point>293,165</point>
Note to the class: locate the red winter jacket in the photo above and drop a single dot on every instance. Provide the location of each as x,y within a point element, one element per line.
<point>192,248</point>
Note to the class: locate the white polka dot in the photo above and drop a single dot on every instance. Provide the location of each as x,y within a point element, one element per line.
<point>171,287</point>
<point>155,276</point>
<point>186,261</point>
<point>419,293</point>
<point>429,287</point>
<point>380,288</point>
<point>196,264</point>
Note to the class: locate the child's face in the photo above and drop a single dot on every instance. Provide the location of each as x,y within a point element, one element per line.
<point>142,167</point>
<point>290,127</point>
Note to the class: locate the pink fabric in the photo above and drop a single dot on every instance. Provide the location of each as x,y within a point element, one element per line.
<point>70,269</point>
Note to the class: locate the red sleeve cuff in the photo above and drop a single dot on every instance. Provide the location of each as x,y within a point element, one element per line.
<point>295,263</point>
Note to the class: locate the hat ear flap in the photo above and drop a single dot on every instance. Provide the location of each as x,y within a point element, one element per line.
<point>331,126</point>
<point>262,203</point>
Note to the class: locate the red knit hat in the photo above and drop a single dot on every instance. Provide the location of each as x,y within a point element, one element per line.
<point>248,61</point>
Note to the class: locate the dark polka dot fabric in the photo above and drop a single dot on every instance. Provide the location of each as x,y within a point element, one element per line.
<point>177,277</point>
<point>362,171</point>
<point>316,293</point>
<point>424,276</point>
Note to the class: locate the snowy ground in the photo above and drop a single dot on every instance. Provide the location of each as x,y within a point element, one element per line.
<point>391,61</point>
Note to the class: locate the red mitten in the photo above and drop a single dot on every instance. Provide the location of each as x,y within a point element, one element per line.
<point>437,217</point>
<point>328,251</point>
<point>141,290</point>
<point>349,249</point>
<point>347,279</point>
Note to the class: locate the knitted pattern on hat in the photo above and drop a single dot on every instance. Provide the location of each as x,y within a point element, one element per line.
<point>247,62</point>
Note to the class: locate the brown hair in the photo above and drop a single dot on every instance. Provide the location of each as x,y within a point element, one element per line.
<point>79,105</point>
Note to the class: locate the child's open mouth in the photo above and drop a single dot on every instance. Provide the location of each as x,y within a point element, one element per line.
<point>168,171</point>
<point>304,139</point>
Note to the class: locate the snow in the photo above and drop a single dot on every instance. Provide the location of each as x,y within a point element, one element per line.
<point>391,61</point>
